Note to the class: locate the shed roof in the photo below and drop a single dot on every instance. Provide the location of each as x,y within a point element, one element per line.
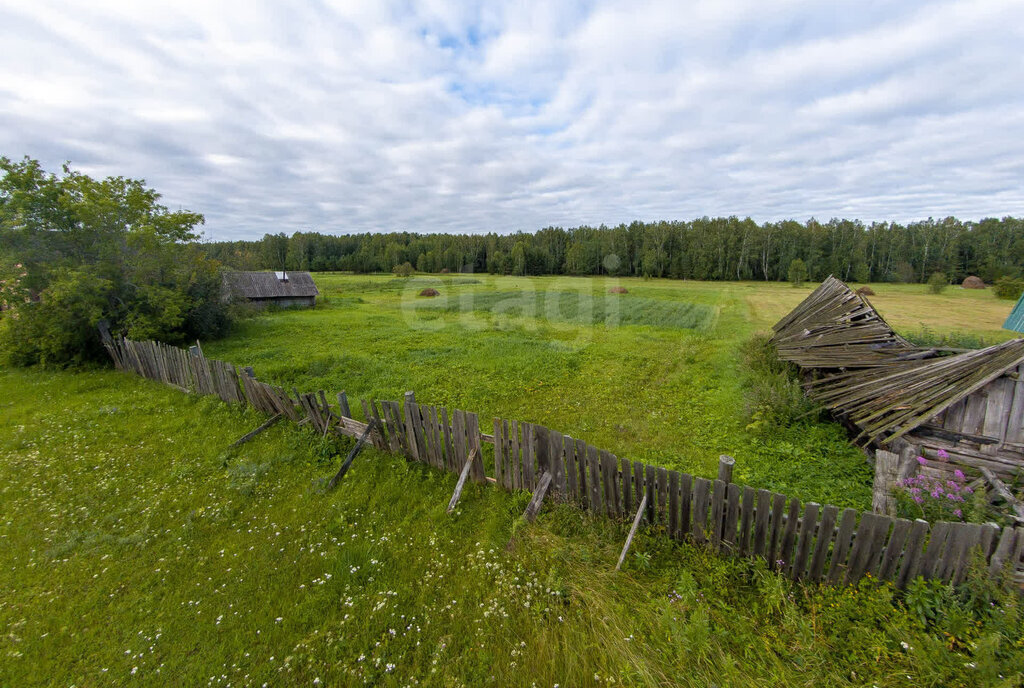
<point>869,374</point>
<point>1015,321</point>
<point>267,285</point>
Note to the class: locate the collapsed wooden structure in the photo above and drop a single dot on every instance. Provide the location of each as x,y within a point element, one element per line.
<point>904,398</point>
<point>806,542</point>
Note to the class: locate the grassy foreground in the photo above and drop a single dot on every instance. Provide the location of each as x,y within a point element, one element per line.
<point>135,551</point>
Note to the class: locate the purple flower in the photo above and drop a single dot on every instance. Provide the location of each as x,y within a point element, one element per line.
<point>942,454</point>
<point>918,499</point>
<point>958,513</point>
<point>959,475</point>
<point>923,461</point>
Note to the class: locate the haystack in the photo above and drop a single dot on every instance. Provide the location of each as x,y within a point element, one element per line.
<point>430,291</point>
<point>618,290</point>
<point>866,291</point>
<point>973,282</point>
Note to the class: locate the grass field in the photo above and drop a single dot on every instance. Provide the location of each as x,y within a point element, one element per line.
<point>136,550</point>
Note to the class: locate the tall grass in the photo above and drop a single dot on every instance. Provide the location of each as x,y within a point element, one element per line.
<point>136,550</point>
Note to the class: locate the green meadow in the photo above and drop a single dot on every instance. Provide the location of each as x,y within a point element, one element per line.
<point>137,549</point>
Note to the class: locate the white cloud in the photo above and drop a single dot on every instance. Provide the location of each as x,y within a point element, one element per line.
<point>453,117</point>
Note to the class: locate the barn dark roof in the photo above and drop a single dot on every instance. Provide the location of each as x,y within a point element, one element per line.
<point>267,285</point>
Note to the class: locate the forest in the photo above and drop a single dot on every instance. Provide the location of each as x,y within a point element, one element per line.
<point>703,249</point>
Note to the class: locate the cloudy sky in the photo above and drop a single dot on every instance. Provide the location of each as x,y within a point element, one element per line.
<point>443,116</point>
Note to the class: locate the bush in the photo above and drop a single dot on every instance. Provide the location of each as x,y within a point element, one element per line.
<point>937,283</point>
<point>1009,288</point>
<point>403,270</point>
<point>87,250</point>
<point>775,397</point>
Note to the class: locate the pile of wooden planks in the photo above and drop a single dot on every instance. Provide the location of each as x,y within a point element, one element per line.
<point>864,372</point>
<point>835,327</point>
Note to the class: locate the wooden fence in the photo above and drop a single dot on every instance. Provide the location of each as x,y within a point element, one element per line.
<point>806,542</point>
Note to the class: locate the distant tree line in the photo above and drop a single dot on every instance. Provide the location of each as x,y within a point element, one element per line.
<point>704,249</point>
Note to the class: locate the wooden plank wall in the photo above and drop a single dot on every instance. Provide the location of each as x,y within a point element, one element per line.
<point>807,542</point>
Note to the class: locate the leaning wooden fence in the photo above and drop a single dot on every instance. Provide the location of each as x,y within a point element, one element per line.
<point>806,542</point>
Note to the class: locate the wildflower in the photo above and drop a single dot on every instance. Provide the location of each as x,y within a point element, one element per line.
<point>922,461</point>
<point>958,474</point>
<point>943,454</point>
<point>958,513</point>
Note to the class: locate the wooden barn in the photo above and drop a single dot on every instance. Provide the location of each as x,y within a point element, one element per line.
<point>905,399</point>
<point>285,289</point>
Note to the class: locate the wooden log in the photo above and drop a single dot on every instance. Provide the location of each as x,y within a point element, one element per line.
<point>529,464</point>
<point>803,549</point>
<point>510,456</point>
<point>556,457</point>
<point>639,482</point>
<point>249,435</point>
<point>725,466</point>
<point>632,531</point>
<point>350,458</point>
<point>1003,491</point>
<point>386,439</point>
<point>451,459</point>
<point>462,481</point>
<point>826,532</point>
<point>410,427</point>
<point>538,497</point>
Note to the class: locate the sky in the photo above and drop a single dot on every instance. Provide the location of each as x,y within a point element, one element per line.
<point>433,116</point>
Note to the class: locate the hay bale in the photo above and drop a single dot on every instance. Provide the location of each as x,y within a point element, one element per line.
<point>866,291</point>
<point>973,282</point>
<point>430,291</point>
<point>618,290</point>
<point>445,271</point>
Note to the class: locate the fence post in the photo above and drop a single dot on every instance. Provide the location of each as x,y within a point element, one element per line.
<point>725,465</point>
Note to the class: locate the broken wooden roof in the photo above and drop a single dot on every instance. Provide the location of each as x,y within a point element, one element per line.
<point>868,374</point>
<point>268,285</point>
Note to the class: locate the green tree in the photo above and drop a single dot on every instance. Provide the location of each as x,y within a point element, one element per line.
<point>797,272</point>
<point>94,250</point>
<point>937,283</point>
<point>403,270</point>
